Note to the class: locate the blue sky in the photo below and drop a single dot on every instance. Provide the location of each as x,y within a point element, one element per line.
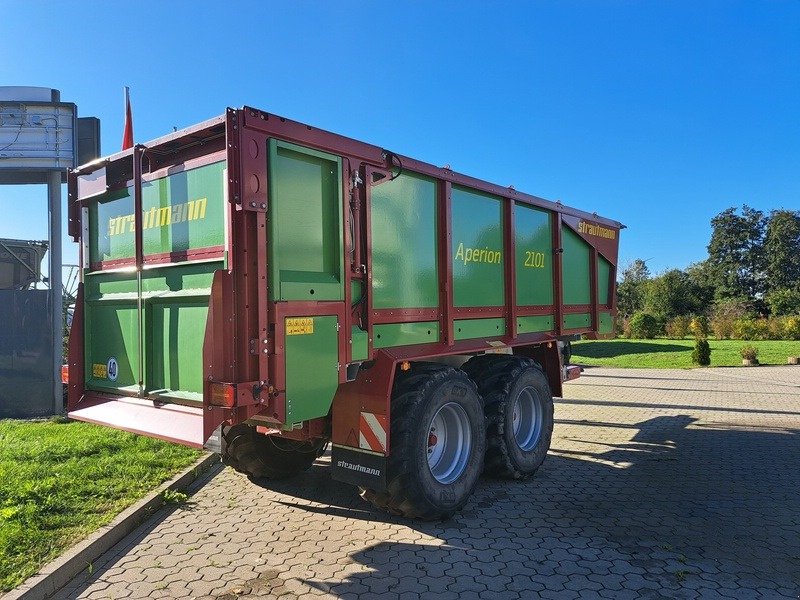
<point>658,114</point>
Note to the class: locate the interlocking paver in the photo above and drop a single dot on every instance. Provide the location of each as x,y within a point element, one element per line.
<point>659,484</point>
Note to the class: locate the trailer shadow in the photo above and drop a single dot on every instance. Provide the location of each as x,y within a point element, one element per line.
<point>679,499</point>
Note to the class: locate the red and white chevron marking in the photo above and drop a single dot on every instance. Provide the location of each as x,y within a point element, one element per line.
<point>372,432</point>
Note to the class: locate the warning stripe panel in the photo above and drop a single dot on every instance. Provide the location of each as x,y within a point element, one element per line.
<point>372,432</point>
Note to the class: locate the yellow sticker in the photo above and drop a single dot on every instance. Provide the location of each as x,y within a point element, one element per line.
<point>299,325</point>
<point>98,371</point>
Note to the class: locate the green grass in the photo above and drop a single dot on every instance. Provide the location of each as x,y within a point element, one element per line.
<point>61,480</point>
<point>675,354</point>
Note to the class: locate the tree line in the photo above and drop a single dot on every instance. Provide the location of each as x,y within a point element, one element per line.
<point>752,272</point>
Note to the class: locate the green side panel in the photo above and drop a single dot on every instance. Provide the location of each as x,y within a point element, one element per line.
<point>180,279</point>
<point>305,224</point>
<point>578,321</point>
<point>606,323</point>
<point>359,341</point>
<point>405,334</point>
<point>103,285</point>
<point>575,268</point>
<point>175,357</point>
<point>175,306</point>
<point>535,323</point>
<point>534,255</point>
<point>468,329</point>
<point>477,249</point>
<point>311,371</point>
<point>404,248</point>
<point>111,334</point>
<point>603,280</point>
<point>182,211</point>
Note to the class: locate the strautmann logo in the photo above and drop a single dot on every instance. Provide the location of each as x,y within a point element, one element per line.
<point>193,210</point>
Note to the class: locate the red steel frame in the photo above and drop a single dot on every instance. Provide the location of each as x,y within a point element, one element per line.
<point>245,330</point>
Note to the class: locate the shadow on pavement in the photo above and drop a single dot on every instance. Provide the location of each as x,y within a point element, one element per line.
<point>675,501</point>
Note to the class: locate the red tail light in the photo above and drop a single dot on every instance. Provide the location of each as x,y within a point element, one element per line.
<point>64,374</point>
<point>223,394</point>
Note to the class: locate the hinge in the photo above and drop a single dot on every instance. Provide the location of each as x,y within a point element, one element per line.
<point>338,327</point>
<point>338,367</point>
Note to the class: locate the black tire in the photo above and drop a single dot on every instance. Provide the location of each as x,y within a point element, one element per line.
<point>413,490</point>
<point>267,456</point>
<point>501,381</point>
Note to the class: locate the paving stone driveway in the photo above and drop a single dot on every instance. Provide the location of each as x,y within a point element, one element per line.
<point>677,484</point>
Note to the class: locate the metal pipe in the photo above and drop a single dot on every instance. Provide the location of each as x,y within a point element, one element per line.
<point>138,153</point>
<point>56,300</point>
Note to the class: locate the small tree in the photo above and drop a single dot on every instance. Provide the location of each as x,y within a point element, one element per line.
<point>701,355</point>
<point>644,326</point>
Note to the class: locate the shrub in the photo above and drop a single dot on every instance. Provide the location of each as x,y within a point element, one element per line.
<point>791,328</point>
<point>644,326</point>
<point>699,327</point>
<point>678,327</point>
<point>701,355</point>
<point>722,327</point>
<point>724,316</point>
<point>749,352</point>
<point>775,328</point>
<point>751,329</point>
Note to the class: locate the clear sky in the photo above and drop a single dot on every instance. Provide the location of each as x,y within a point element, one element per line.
<point>659,114</point>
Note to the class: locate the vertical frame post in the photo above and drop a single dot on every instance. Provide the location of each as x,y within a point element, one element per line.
<point>593,298</point>
<point>558,287</point>
<point>136,156</point>
<point>511,268</point>
<point>445,197</point>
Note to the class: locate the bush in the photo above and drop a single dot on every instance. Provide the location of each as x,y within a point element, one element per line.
<point>749,352</point>
<point>699,327</point>
<point>643,326</point>
<point>791,328</point>
<point>678,327</point>
<point>722,327</point>
<point>725,315</point>
<point>701,355</point>
<point>751,329</point>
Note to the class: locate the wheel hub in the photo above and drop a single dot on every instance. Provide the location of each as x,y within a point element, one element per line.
<point>526,418</point>
<point>449,443</point>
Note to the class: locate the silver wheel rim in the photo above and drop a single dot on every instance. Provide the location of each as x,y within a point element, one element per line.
<point>449,443</point>
<point>527,419</point>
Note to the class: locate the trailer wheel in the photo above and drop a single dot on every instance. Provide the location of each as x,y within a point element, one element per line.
<point>267,457</point>
<point>519,413</point>
<point>437,444</point>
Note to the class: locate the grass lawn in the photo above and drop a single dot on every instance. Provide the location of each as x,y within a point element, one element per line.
<point>60,480</point>
<point>675,354</point>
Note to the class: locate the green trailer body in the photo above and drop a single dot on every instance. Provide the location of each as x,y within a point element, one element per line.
<point>253,272</point>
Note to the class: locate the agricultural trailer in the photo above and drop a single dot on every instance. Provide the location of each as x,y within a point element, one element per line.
<point>265,287</point>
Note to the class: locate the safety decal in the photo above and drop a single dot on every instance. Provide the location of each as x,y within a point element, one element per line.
<point>372,432</point>
<point>299,325</point>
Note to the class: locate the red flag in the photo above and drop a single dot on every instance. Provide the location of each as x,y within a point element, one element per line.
<point>127,134</point>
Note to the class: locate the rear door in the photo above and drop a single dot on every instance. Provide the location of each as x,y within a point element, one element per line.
<point>144,332</point>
